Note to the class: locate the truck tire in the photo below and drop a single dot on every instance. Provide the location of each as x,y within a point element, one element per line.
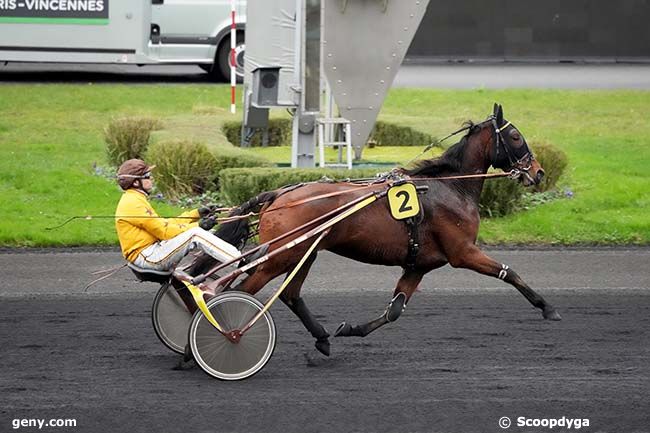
<point>222,61</point>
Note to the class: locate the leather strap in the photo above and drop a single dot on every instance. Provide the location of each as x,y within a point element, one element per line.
<point>412,226</point>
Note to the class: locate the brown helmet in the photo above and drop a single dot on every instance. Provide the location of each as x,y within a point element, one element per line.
<point>132,170</point>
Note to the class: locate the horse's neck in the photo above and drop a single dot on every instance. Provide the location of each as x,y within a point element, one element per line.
<point>476,160</point>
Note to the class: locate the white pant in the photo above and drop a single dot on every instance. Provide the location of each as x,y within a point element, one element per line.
<point>165,255</point>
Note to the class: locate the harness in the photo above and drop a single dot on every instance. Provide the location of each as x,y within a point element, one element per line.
<point>413,229</point>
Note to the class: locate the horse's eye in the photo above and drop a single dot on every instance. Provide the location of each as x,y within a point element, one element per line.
<point>514,134</point>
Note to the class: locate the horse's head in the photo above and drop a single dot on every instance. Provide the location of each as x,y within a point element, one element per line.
<point>511,152</point>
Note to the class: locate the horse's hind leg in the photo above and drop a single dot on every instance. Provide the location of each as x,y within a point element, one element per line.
<point>478,261</point>
<point>291,298</point>
<point>405,288</point>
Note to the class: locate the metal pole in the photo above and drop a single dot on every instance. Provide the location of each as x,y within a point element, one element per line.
<point>233,45</point>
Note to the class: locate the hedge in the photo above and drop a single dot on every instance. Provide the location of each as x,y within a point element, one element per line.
<point>383,134</point>
<point>279,133</point>
<point>389,134</point>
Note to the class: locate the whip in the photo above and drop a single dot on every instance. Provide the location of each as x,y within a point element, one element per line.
<point>91,217</point>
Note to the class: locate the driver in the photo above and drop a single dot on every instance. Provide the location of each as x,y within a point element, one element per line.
<point>155,243</point>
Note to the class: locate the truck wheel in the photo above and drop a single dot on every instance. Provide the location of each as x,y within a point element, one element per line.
<point>222,62</point>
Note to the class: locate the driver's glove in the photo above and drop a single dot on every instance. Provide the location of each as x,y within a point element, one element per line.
<point>207,223</point>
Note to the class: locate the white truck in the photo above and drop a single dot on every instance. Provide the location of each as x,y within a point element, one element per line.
<point>141,32</point>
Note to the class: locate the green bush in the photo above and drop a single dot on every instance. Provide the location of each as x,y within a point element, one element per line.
<point>240,184</point>
<point>186,167</point>
<point>128,138</point>
<point>279,133</point>
<point>500,197</point>
<point>390,134</point>
<point>182,167</point>
<point>553,161</point>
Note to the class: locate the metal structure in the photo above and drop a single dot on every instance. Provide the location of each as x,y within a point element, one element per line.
<point>335,127</point>
<point>356,46</point>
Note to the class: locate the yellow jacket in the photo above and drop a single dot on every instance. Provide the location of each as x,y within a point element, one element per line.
<point>141,230</point>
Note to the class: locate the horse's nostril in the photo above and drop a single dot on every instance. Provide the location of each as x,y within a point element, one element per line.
<point>540,176</point>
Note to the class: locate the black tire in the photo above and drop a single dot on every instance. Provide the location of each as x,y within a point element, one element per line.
<point>170,318</point>
<point>207,67</point>
<point>222,61</point>
<point>218,356</point>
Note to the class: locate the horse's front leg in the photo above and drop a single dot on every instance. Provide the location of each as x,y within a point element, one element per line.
<point>403,292</point>
<point>291,298</point>
<point>476,260</point>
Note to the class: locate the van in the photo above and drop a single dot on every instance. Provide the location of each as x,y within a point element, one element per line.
<point>140,32</point>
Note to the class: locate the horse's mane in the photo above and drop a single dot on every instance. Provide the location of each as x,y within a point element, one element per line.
<point>447,163</point>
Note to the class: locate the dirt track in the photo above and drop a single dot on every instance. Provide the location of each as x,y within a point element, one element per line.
<point>455,362</point>
<point>467,352</point>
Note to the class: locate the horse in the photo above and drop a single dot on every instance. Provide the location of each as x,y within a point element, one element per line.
<point>446,232</point>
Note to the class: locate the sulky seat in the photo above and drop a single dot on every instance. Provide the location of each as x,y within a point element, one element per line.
<point>150,275</point>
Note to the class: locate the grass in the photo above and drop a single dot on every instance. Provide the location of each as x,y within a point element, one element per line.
<point>51,135</point>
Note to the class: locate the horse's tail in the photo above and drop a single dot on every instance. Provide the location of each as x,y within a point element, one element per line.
<point>236,232</point>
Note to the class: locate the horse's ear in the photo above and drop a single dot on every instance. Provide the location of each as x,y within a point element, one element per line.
<point>495,109</point>
<point>499,114</point>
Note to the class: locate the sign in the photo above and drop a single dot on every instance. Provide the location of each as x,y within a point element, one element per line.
<point>94,12</point>
<point>403,201</point>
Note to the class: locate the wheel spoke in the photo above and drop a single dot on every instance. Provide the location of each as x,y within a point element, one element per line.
<point>219,356</point>
<point>171,319</point>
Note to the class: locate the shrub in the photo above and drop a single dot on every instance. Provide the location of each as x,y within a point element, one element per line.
<point>389,134</point>
<point>186,167</point>
<point>553,161</point>
<point>240,184</point>
<point>128,138</point>
<point>182,167</point>
<point>279,133</point>
<point>500,197</point>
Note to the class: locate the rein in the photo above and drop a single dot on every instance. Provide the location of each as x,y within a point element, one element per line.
<point>513,174</point>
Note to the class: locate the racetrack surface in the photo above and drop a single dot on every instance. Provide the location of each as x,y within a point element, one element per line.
<point>412,74</point>
<point>458,360</point>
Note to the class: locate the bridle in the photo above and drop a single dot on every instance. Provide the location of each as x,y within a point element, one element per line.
<point>522,164</point>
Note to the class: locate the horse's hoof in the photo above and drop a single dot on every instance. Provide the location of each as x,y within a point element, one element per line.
<point>323,346</point>
<point>183,365</point>
<point>188,355</point>
<point>315,359</point>
<point>343,330</point>
<point>551,314</point>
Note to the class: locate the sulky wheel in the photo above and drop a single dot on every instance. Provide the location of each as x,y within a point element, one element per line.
<point>171,319</point>
<point>220,357</point>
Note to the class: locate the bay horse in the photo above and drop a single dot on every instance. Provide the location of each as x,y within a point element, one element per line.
<point>447,230</point>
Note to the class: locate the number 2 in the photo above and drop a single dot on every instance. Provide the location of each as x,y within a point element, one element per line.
<point>404,206</point>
